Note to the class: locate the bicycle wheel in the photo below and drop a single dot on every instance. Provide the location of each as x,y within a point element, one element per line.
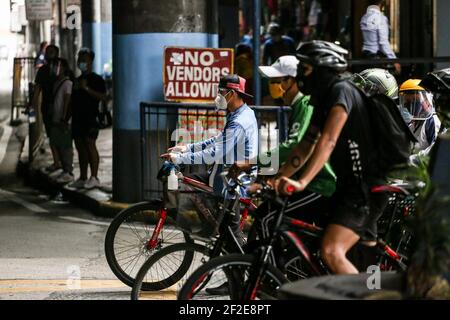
<point>168,267</point>
<point>232,270</point>
<point>128,236</point>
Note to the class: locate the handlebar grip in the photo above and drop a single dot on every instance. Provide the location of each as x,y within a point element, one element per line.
<point>290,189</point>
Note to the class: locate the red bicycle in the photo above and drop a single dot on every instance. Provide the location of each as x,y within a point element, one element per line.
<point>292,252</point>
<point>143,229</point>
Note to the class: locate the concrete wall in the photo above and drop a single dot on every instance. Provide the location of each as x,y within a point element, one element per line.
<point>442,37</point>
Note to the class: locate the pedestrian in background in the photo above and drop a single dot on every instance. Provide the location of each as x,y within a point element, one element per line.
<point>44,84</point>
<point>277,45</point>
<point>60,134</point>
<point>375,31</point>
<point>89,91</point>
<point>40,59</point>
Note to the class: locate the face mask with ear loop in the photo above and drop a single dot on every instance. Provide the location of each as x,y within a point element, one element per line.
<point>276,90</point>
<point>221,102</point>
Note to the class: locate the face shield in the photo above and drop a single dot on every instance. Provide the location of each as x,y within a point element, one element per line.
<point>416,105</point>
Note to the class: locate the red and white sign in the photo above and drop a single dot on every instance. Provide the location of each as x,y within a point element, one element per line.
<point>193,74</point>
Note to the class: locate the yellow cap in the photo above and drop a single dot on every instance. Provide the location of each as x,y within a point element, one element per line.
<point>411,85</point>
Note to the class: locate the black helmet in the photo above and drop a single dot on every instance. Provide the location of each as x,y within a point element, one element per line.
<point>323,54</point>
<point>437,81</point>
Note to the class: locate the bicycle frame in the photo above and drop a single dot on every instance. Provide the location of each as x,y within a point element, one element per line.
<point>200,186</point>
<point>294,228</point>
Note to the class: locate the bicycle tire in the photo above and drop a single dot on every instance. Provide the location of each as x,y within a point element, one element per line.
<point>121,219</point>
<point>172,279</point>
<point>240,263</point>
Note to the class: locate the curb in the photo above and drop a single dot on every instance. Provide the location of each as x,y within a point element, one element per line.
<point>95,200</point>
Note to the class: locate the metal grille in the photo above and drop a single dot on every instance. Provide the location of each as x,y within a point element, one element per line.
<point>160,120</point>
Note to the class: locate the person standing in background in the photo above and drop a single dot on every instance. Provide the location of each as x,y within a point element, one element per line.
<point>89,90</point>
<point>40,59</point>
<point>44,82</point>
<point>375,31</point>
<point>60,135</point>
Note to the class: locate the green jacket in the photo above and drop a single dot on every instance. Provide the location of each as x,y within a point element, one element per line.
<point>325,181</point>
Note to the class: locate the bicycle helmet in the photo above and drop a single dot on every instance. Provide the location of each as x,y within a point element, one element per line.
<point>323,54</point>
<point>415,102</point>
<point>377,80</point>
<point>437,81</point>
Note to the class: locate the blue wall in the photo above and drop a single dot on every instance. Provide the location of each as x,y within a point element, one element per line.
<point>134,53</point>
<point>98,37</point>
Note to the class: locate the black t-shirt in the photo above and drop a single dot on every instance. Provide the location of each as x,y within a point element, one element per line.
<point>354,151</point>
<point>46,81</point>
<point>85,107</point>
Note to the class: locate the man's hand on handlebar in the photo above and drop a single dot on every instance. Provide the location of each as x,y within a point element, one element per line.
<point>237,168</point>
<point>178,148</point>
<point>286,187</point>
<point>169,157</point>
<point>254,188</point>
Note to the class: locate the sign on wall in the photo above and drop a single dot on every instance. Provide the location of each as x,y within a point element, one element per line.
<point>39,9</point>
<point>193,74</point>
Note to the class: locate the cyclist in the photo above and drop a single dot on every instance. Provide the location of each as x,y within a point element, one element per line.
<point>340,131</point>
<point>376,80</point>
<point>237,141</point>
<point>416,105</point>
<point>438,82</point>
<point>313,201</point>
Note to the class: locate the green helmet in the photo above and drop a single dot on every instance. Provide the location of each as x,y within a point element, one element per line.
<point>377,81</point>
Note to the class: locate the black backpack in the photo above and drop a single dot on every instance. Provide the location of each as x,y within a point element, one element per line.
<point>393,138</point>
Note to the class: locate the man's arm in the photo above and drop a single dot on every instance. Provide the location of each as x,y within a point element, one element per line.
<point>296,133</point>
<point>318,155</point>
<point>201,145</point>
<point>300,154</point>
<point>221,151</point>
<point>330,134</point>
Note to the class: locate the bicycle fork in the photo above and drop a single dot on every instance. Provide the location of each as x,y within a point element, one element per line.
<point>153,242</point>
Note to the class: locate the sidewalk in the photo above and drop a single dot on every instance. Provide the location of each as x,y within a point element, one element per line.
<point>97,200</point>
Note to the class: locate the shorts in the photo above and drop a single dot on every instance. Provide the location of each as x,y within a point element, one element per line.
<point>353,211</point>
<point>83,132</point>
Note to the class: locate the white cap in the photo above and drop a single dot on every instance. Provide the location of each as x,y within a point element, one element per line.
<point>283,67</point>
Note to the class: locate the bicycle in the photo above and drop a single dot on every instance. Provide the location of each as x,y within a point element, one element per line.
<point>143,229</point>
<point>251,276</point>
<point>176,268</point>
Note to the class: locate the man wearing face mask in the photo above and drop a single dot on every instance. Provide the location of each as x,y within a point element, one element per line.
<point>340,131</point>
<point>89,90</point>
<point>416,106</point>
<point>312,203</point>
<point>237,141</point>
<point>44,83</point>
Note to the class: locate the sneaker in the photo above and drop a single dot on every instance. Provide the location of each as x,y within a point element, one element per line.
<point>65,177</point>
<point>51,168</point>
<point>55,174</point>
<point>78,184</point>
<point>92,183</point>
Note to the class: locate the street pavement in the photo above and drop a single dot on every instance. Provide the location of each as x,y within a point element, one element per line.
<point>48,250</point>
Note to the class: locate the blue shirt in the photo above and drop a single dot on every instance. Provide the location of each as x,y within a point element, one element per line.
<point>237,142</point>
<point>375,31</point>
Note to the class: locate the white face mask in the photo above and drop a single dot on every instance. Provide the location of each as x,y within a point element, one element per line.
<point>221,102</point>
